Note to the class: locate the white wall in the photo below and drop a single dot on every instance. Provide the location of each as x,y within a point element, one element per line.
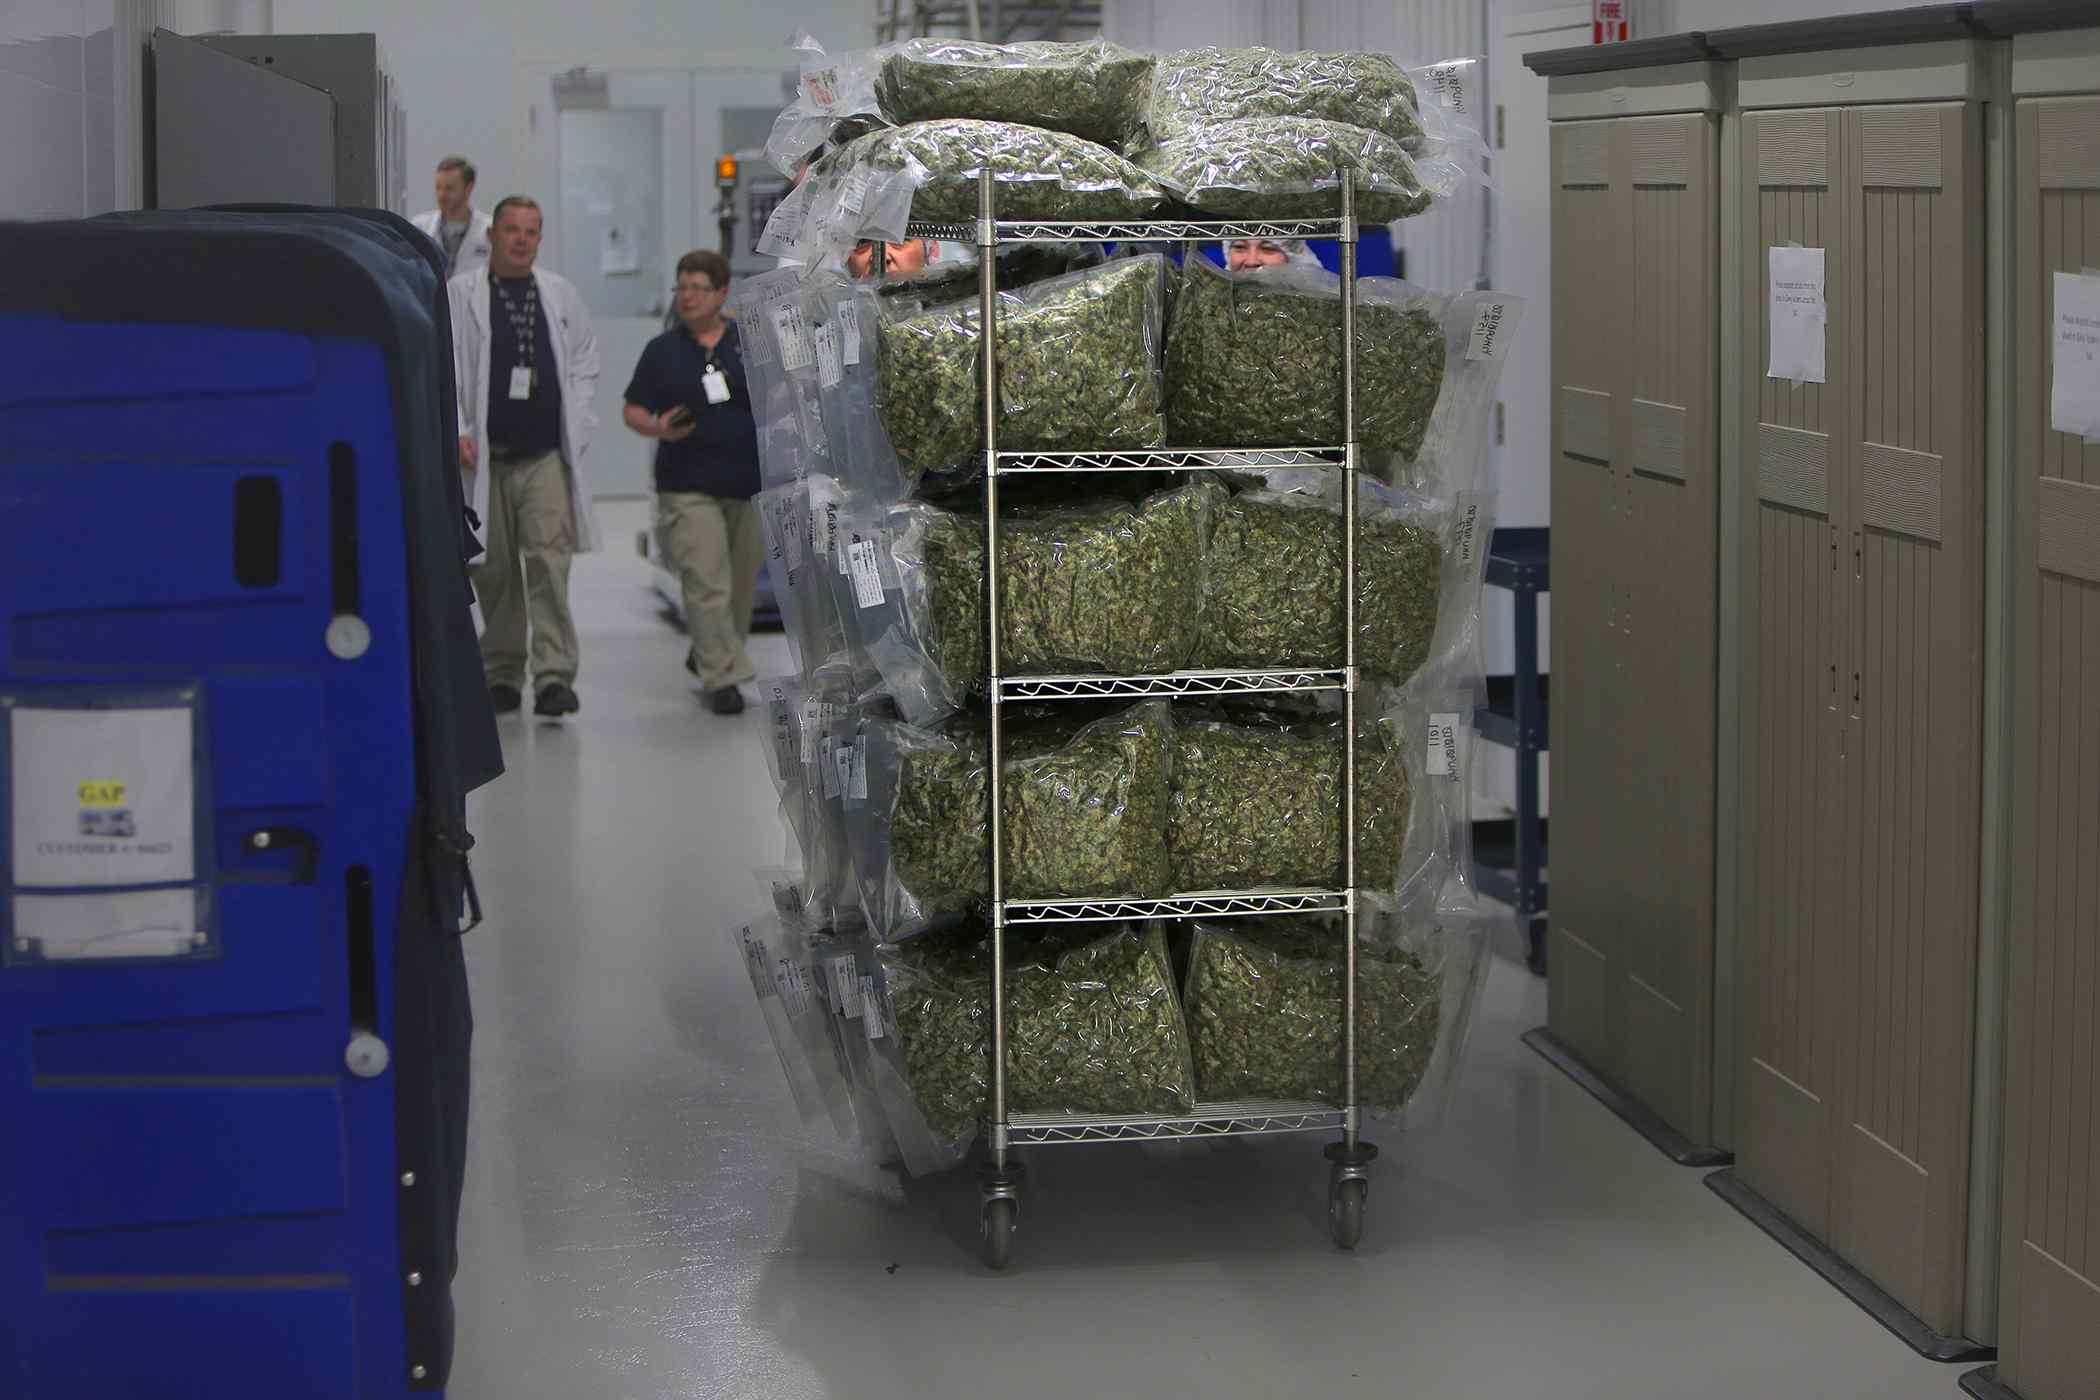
<point>459,65</point>
<point>58,109</point>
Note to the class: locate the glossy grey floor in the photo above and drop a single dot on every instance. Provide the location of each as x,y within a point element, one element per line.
<point>645,1219</point>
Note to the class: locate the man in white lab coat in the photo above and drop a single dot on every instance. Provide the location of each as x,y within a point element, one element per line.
<point>456,226</point>
<point>526,361</point>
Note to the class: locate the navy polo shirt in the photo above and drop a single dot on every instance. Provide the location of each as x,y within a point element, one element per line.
<point>720,458</point>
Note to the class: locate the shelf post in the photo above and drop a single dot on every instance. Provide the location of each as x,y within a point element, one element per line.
<point>1347,238</point>
<point>988,355</point>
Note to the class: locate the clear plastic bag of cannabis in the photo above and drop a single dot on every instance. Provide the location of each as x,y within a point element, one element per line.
<point>1256,806</point>
<point>1264,1000</point>
<point>1085,815</point>
<point>877,185</point>
<point>1110,586</point>
<point>1094,89</point>
<point>1093,1026</point>
<point>1078,368</point>
<point>1195,87</point>
<point>1273,590</point>
<point>834,101</point>
<point>1254,359</point>
<point>776,951</point>
<point>1287,168</point>
<point>800,754</point>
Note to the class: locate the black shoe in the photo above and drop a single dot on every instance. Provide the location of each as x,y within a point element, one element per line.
<point>555,700</point>
<point>507,699</point>
<point>726,701</point>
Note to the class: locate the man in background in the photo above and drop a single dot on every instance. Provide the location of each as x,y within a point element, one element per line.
<point>689,394</point>
<point>526,361</point>
<point>456,225</point>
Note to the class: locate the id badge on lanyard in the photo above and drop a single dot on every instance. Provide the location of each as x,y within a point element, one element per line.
<point>521,381</point>
<point>715,385</point>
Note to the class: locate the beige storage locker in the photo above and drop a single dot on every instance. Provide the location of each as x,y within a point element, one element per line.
<point>1635,540</point>
<point>2049,1262</point>
<point>1861,586</point>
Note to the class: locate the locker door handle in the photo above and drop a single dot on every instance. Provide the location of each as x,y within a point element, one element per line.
<point>366,1055</point>
<point>348,636</point>
<point>308,846</point>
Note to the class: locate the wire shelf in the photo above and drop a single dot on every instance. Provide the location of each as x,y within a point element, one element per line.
<point>1013,688</point>
<point>1170,459</point>
<point>1210,1120</point>
<point>1212,904</point>
<point>1130,230</point>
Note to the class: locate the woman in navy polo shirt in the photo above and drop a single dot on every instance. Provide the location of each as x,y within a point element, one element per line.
<point>688,393</point>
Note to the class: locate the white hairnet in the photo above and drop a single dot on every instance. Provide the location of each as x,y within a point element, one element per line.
<point>1295,253</point>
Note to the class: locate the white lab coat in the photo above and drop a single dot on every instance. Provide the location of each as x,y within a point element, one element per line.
<point>473,252</point>
<point>575,366</point>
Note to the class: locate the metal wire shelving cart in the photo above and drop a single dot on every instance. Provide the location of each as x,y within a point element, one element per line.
<point>1001,1176</point>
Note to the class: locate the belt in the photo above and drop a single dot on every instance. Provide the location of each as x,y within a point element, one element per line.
<point>504,457</point>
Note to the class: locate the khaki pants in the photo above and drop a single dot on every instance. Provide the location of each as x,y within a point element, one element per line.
<point>525,574</point>
<point>711,543</point>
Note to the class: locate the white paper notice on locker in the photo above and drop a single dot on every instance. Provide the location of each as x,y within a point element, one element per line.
<point>103,797</point>
<point>1800,317</point>
<point>2074,387</point>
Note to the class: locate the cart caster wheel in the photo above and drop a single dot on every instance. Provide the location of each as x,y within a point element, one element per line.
<point>998,1233</point>
<point>1345,1212</point>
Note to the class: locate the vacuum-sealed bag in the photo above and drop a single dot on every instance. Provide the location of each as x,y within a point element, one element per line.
<point>1287,168</point>
<point>1113,587</point>
<point>1078,362</point>
<point>1092,1027</point>
<point>776,952</point>
<point>1085,815</point>
<point>1195,87</point>
<point>1095,89</point>
<point>1264,1004</point>
<point>1254,359</point>
<point>1273,590</point>
<point>877,185</point>
<point>1257,806</point>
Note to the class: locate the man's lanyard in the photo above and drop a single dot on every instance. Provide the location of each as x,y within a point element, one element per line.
<point>524,323</point>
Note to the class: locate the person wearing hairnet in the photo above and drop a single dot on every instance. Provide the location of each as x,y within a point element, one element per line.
<point>1254,254</point>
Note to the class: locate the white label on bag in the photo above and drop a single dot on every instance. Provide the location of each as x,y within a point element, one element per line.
<point>829,369</point>
<point>1799,315</point>
<point>812,723</point>
<point>1465,533</point>
<point>849,987</point>
<point>759,964</point>
<point>783,716</point>
<point>2074,388</point>
<point>855,193</point>
<point>1487,341</point>
<point>858,788</point>
<point>103,797</point>
<point>828,760</point>
<point>871,1008</point>
<point>842,760</point>
<point>1448,82</point>
<point>821,87</point>
<point>849,331</point>
<point>792,330</point>
<point>793,983</point>
<point>1443,746</point>
<point>867,578</point>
